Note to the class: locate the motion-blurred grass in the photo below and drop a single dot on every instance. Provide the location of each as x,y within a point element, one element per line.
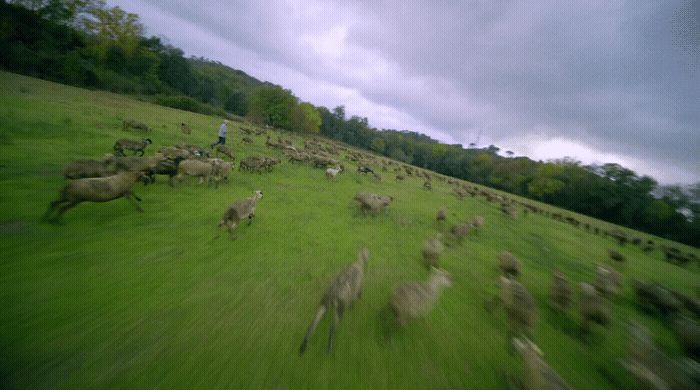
<point>115,298</point>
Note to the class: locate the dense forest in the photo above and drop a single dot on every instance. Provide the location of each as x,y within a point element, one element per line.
<point>88,44</point>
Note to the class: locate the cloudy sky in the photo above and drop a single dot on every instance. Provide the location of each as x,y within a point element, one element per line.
<point>601,81</point>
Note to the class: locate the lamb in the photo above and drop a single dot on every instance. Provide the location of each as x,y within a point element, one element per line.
<point>80,169</point>
<point>225,150</point>
<point>238,211</point>
<point>427,185</point>
<point>595,309</point>
<point>132,124</point>
<point>246,140</point>
<point>432,249</point>
<point>344,289</point>
<point>333,172</point>
<point>372,202</point>
<point>560,293</point>
<point>185,128</point>
<point>99,189</point>
<point>400,177</point>
<point>538,374</point>
<point>509,264</point>
<point>202,169</point>
<point>130,144</point>
<point>413,300</point>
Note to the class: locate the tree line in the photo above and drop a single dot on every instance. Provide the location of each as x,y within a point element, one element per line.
<point>86,43</point>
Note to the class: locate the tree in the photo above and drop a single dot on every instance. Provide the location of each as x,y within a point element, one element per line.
<point>308,118</point>
<point>237,103</point>
<point>378,145</point>
<point>114,25</point>
<point>273,106</point>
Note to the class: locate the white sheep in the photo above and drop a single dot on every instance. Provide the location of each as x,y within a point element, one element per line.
<point>333,172</point>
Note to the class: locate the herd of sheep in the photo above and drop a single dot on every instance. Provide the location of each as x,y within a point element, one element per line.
<point>115,175</point>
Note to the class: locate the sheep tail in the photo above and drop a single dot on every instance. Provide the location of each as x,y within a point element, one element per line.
<point>319,315</point>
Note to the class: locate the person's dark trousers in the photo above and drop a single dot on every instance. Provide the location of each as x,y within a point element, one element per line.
<point>221,141</point>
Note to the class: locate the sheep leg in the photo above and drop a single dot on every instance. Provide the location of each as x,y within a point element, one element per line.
<point>63,209</point>
<point>52,207</point>
<point>130,197</point>
<point>231,226</point>
<point>338,315</point>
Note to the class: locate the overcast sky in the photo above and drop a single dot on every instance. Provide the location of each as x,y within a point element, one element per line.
<point>600,81</point>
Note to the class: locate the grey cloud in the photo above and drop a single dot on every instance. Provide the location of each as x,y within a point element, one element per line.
<point>619,76</point>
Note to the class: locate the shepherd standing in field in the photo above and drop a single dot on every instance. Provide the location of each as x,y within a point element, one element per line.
<point>222,134</point>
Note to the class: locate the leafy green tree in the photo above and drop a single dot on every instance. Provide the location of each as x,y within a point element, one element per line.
<point>378,145</point>
<point>307,118</point>
<point>273,106</point>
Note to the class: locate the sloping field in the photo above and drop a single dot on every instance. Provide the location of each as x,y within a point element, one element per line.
<point>116,298</point>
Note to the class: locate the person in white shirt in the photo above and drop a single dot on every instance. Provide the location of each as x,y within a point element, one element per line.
<point>222,134</point>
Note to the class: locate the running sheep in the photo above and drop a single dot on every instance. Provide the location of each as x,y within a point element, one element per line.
<point>344,289</point>
<point>239,211</point>
<point>98,189</point>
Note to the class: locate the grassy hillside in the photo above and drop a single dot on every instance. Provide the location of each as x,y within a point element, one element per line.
<point>115,298</point>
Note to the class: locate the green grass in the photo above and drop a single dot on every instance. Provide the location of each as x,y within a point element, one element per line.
<point>115,298</point>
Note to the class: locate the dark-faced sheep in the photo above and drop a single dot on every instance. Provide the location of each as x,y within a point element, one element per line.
<point>239,211</point>
<point>365,169</point>
<point>99,189</point>
<point>129,144</point>
<point>413,300</point>
<point>344,289</point>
